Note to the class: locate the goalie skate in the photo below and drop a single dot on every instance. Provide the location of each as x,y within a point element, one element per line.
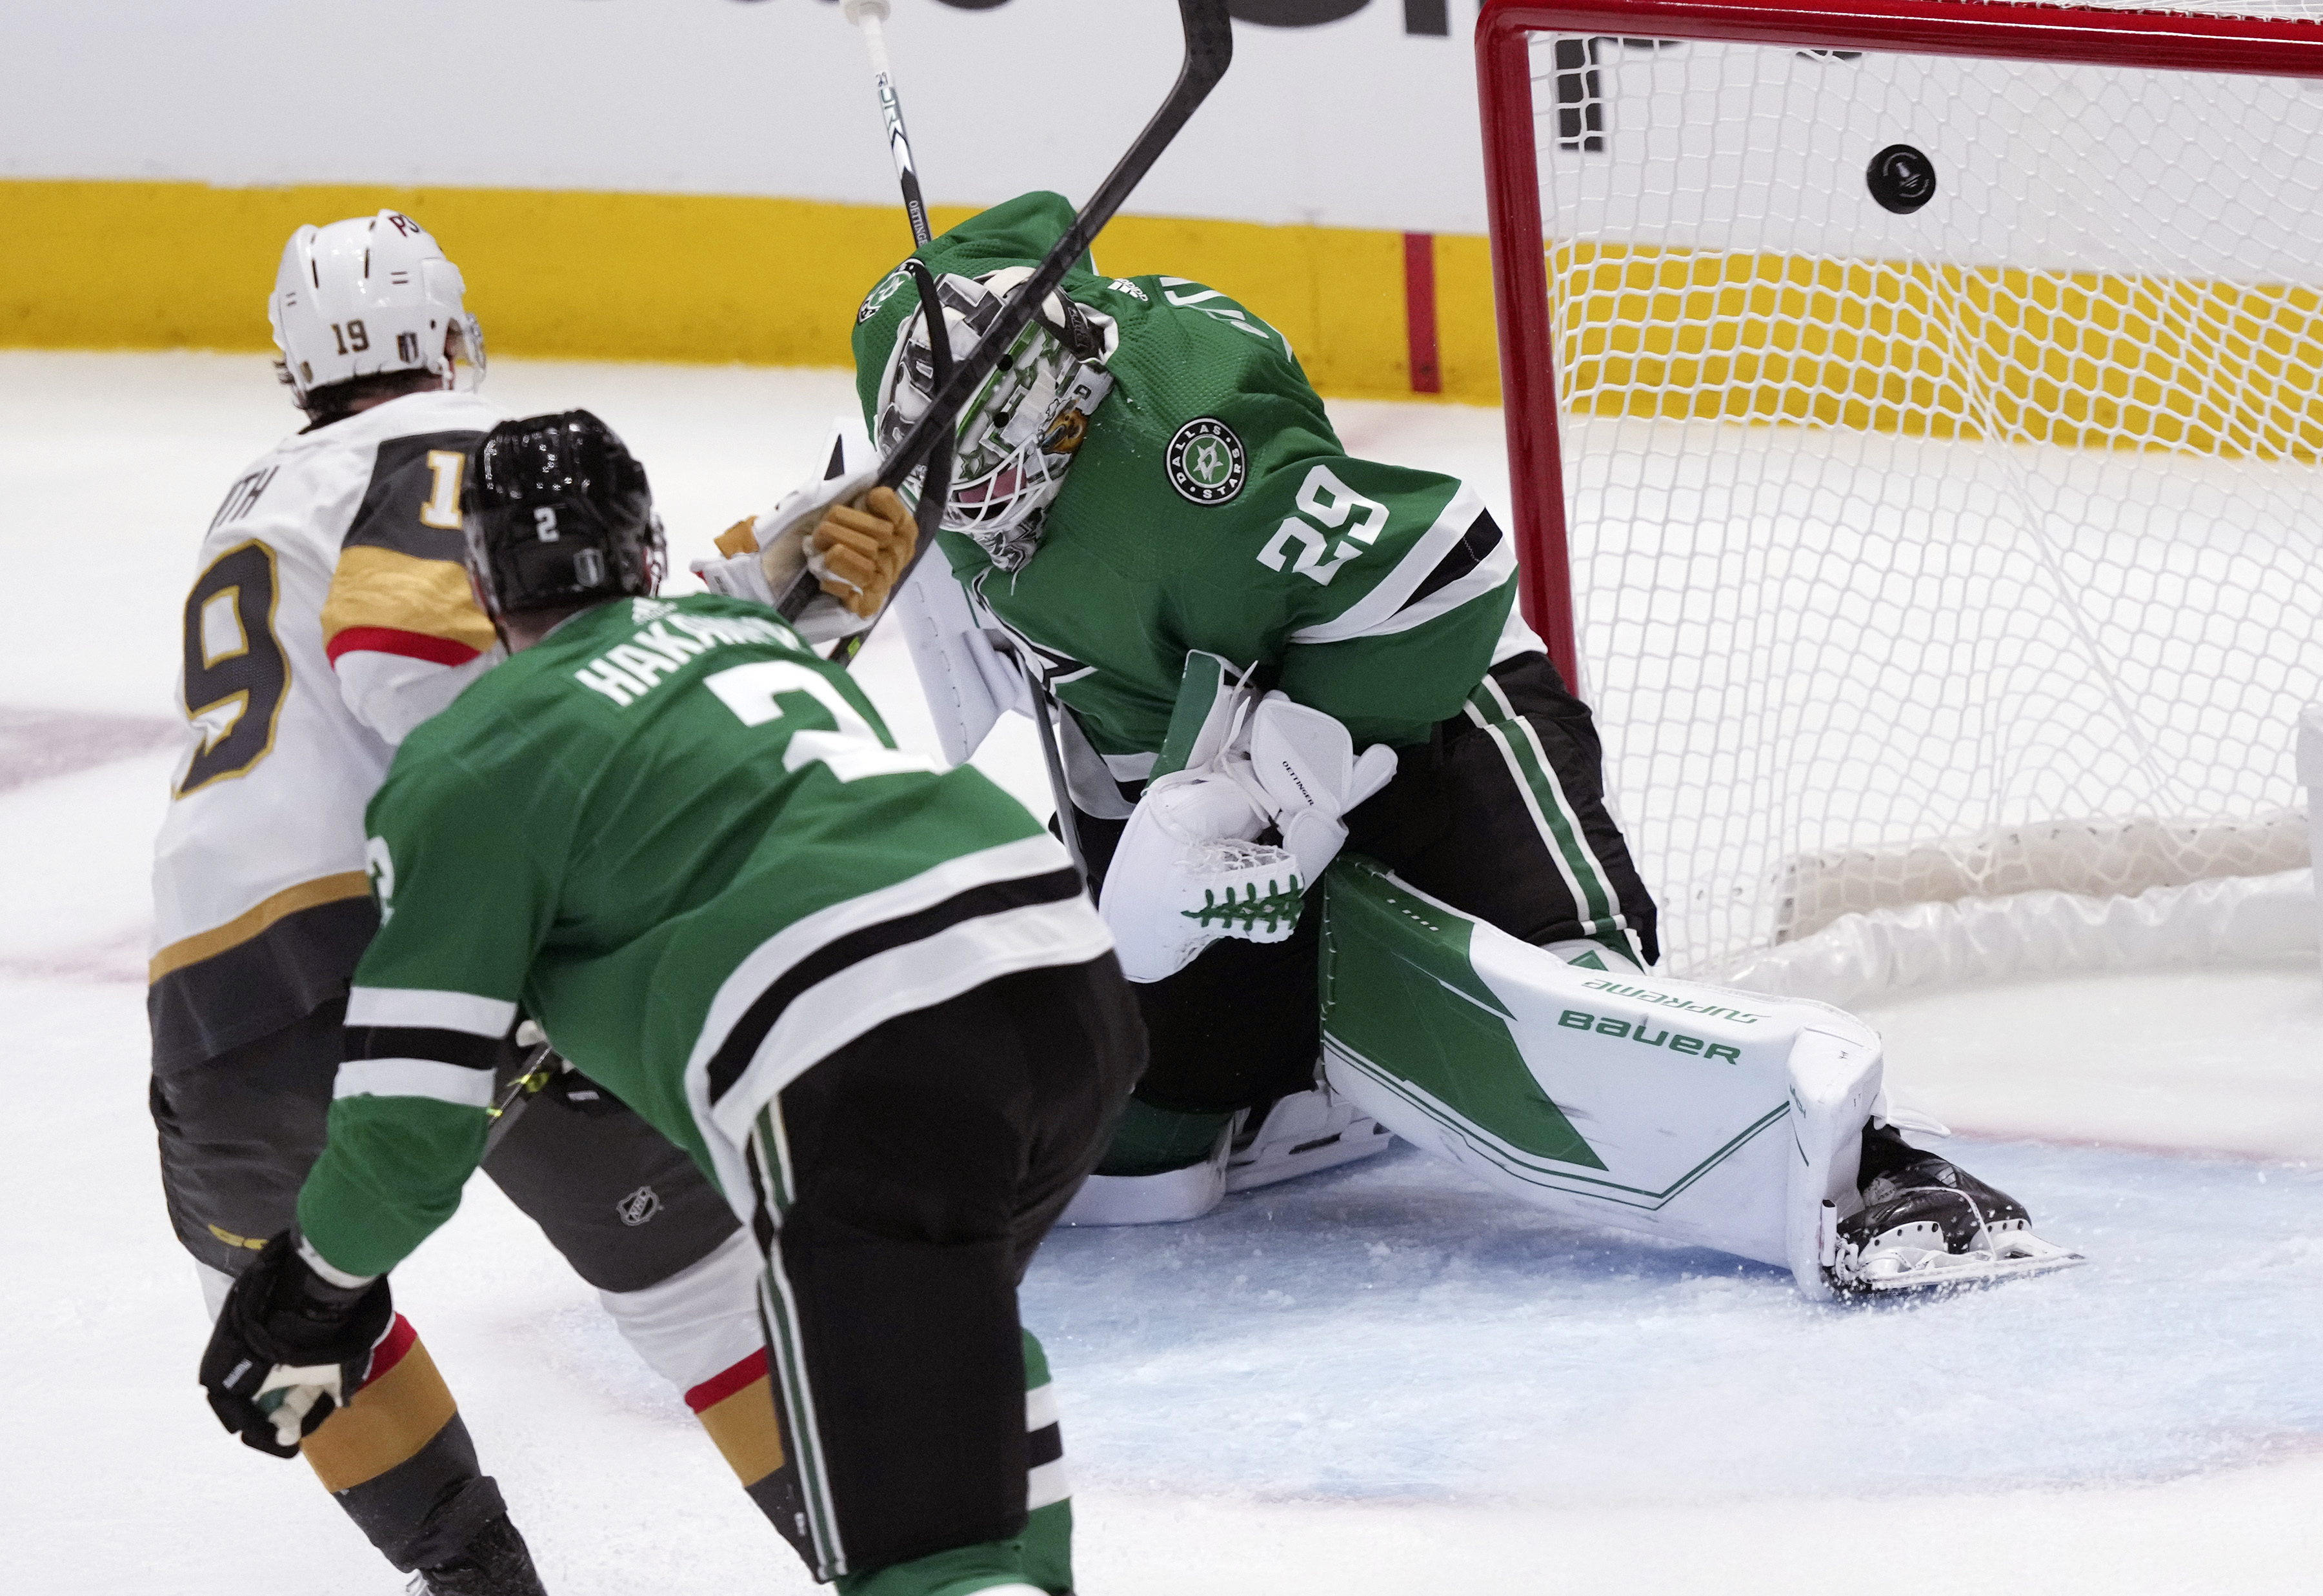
<point>1301,1134</point>
<point>1928,1224</point>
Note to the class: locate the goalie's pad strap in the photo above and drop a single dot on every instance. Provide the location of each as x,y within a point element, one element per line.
<point>1199,722</point>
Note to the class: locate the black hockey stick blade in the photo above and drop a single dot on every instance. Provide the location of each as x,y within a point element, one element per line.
<point>1210,51</point>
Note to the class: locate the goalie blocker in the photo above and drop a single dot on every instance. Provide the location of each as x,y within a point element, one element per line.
<point>1712,1116</point>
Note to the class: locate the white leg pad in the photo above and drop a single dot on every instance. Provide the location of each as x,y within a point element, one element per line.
<point>1700,1114</point>
<point>1834,1077</point>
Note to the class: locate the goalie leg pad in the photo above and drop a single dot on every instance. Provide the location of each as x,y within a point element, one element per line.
<point>1697,1112</point>
<point>1164,1165</point>
<point>1674,1108</point>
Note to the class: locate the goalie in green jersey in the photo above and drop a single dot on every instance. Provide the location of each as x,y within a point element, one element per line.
<point>869,996</point>
<point>1152,512</point>
<point>1265,651</point>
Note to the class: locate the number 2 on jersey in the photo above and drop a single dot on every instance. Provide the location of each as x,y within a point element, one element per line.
<point>850,753</point>
<point>236,673</point>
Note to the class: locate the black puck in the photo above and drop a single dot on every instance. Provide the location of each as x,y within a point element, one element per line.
<point>1901,179</point>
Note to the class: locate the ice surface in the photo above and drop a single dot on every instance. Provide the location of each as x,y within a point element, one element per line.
<point>1394,1330</point>
<point>1380,1380</point>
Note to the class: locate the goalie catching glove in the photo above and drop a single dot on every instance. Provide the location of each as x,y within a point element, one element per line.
<point>1189,868</point>
<point>290,1345</point>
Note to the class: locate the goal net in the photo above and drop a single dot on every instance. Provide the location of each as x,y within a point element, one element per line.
<point>1915,412</point>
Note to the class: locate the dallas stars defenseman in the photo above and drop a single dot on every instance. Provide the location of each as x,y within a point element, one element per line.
<point>1226,606</point>
<point>332,615</point>
<point>868,997</point>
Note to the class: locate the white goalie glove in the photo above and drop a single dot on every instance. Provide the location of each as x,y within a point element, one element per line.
<point>1190,869</point>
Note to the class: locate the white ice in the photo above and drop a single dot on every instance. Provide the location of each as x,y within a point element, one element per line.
<point>1384,1379</point>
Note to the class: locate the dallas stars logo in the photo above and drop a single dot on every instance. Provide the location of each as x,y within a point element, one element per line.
<point>1206,460</point>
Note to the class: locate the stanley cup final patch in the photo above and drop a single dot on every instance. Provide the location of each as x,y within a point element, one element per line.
<point>1206,460</point>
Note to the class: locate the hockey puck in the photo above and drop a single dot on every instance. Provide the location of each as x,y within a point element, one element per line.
<point>1901,179</point>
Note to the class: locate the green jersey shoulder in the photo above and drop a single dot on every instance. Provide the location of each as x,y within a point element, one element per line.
<point>1213,507</point>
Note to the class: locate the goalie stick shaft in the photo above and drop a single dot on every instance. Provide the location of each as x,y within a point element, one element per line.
<point>870,19</point>
<point>1209,51</point>
<point>868,15</point>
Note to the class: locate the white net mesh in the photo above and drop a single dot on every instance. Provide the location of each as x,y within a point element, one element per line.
<point>1924,554</point>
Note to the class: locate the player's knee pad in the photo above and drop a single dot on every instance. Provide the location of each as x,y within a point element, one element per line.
<point>1685,1110</point>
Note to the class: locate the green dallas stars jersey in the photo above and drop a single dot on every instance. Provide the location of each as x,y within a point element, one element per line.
<point>1212,507</point>
<point>689,850</point>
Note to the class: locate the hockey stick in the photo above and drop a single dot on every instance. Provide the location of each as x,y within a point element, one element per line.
<point>867,15</point>
<point>1210,51</point>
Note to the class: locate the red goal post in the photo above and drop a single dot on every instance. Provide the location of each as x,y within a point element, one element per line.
<point>2016,29</point>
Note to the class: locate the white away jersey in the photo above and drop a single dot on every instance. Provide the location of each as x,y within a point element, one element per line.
<point>330,615</point>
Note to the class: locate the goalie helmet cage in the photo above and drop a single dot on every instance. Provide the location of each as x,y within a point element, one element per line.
<point>1913,416</point>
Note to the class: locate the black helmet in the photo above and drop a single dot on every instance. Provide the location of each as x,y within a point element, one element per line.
<point>558,513</point>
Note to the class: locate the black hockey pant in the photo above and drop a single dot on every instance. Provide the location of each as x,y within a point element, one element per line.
<point>627,1209</point>
<point>900,1188</point>
<point>1502,815</point>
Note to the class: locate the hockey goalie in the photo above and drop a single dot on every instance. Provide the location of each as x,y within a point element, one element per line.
<point>1310,748</point>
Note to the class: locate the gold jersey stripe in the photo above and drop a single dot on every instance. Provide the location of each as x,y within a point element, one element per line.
<point>379,587</point>
<point>384,1424</point>
<point>743,1427</point>
<point>252,921</point>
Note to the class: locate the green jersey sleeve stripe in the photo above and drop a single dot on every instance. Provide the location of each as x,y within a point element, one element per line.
<point>432,1011</point>
<point>1382,611</point>
<point>463,1047</point>
<point>456,1083</point>
<point>1495,571</point>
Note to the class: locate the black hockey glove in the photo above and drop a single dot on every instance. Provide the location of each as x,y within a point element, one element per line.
<point>288,1347</point>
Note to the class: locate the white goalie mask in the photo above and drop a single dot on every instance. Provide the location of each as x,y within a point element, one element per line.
<point>1018,433</point>
<point>367,296</point>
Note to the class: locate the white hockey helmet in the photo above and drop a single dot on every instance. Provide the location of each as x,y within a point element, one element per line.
<point>1018,433</point>
<point>367,296</point>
